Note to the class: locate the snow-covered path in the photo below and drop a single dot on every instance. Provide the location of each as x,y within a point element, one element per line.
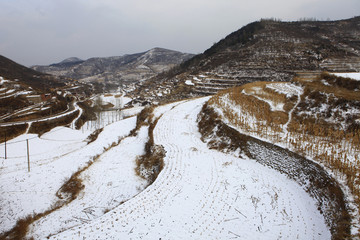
<point>205,194</point>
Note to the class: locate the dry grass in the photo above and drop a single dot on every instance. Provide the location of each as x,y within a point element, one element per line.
<point>150,164</point>
<point>12,131</point>
<point>143,119</point>
<point>72,187</point>
<point>334,147</point>
<point>94,135</point>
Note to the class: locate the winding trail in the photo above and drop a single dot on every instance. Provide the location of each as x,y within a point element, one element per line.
<point>298,100</point>
<point>206,194</point>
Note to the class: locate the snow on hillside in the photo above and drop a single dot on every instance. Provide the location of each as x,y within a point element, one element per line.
<point>200,193</point>
<point>189,83</point>
<point>118,100</point>
<point>109,182</point>
<point>53,158</point>
<point>255,91</point>
<point>288,89</point>
<point>354,75</point>
<point>318,148</point>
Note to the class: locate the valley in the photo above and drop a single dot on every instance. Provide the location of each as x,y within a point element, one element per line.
<point>256,138</point>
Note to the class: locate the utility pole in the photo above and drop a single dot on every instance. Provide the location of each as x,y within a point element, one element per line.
<point>5,147</point>
<point>28,156</point>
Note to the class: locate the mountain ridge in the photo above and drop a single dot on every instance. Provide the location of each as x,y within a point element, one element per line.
<point>265,50</point>
<point>117,69</point>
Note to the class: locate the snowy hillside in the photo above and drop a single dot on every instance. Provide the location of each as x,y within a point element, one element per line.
<point>318,118</point>
<point>199,194</point>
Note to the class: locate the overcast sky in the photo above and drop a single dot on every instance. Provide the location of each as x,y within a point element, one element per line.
<point>48,31</point>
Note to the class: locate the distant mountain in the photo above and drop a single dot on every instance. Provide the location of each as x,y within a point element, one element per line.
<point>266,50</point>
<point>117,70</point>
<point>69,62</point>
<point>72,60</point>
<point>37,80</point>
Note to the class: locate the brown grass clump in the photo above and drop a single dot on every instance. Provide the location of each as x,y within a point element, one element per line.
<point>150,164</point>
<point>72,187</point>
<point>143,119</point>
<point>94,135</point>
<point>20,229</point>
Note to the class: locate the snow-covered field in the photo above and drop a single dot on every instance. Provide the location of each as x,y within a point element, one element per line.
<point>200,193</point>
<point>118,100</point>
<point>53,158</point>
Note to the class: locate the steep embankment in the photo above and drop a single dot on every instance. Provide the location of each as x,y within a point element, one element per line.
<point>317,118</point>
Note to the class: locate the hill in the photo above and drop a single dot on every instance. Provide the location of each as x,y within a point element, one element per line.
<point>265,50</point>
<point>37,80</point>
<point>117,70</point>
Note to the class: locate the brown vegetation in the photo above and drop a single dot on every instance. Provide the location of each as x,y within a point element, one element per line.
<point>94,135</point>
<point>150,164</point>
<point>12,103</point>
<point>11,132</point>
<point>143,119</point>
<point>42,127</point>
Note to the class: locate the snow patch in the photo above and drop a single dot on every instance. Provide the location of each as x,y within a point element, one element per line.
<point>354,75</point>
<point>189,83</point>
<point>288,89</point>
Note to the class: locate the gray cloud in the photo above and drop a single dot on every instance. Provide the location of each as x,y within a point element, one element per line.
<point>47,31</point>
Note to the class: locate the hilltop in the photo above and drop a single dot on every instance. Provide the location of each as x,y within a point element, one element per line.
<point>265,50</point>
<point>37,80</point>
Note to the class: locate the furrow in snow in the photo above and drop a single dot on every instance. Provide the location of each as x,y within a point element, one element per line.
<point>205,194</point>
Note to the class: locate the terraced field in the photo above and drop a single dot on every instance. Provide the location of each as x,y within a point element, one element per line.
<point>200,194</point>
